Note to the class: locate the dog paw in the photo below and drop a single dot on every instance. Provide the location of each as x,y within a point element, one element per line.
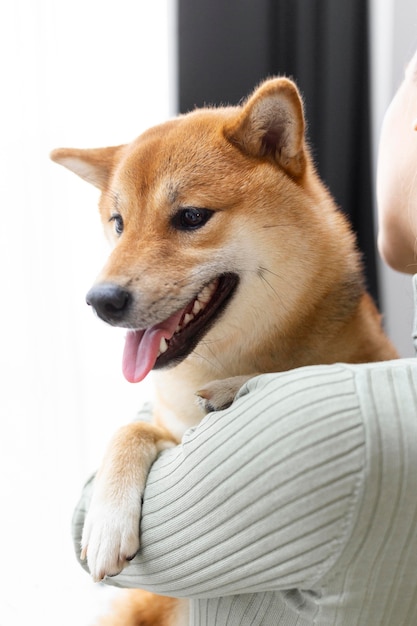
<point>110,538</point>
<point>111,528</point>
<point>219,394</point>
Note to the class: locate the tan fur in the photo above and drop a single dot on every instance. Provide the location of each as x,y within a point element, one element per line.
<point>141,608</point>
<point>300,298</point>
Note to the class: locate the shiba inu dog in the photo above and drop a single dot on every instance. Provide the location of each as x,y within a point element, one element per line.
<point>229,259</point>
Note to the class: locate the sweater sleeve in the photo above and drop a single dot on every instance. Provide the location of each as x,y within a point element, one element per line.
<point>261,496</point>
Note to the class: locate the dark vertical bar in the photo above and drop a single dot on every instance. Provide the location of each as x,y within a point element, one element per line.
<point>223,50</point>
<point>226,47</point>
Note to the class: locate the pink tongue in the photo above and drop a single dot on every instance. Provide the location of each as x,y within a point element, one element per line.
<point>142,347</point>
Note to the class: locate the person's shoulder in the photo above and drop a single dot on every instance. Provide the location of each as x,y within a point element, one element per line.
<point>386,377</point>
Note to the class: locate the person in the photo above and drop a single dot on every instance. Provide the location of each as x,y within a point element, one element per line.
<point>396,180</point>
<point>298,504</point>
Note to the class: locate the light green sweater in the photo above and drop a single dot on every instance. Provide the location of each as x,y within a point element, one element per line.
<point>296,506</point>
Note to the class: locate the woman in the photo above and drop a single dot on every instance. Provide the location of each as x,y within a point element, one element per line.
<point>308,513</point>
<point>396,188</point>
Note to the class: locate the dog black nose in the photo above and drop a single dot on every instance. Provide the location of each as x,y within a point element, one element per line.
<point>109,301</point>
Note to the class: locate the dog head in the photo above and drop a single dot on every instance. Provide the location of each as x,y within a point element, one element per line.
<point>205,216</point>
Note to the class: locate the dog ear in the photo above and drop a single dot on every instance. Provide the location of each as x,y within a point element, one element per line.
<point>271,123</point>
<point>94,165</point>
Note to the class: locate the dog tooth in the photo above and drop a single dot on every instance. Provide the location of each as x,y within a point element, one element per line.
<point>187,318</point>
<point>197,307</point>
<point>206,293</point>
<point>163,346</point>
<point>204,296</point>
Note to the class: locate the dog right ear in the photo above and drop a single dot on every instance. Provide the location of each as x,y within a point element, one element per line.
<point>271,124</point>
<point>94,166</point>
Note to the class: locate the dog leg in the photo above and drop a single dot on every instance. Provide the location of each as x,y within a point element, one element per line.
<point>136,607</point>
<point>219,394</point>
<point>111,530</point>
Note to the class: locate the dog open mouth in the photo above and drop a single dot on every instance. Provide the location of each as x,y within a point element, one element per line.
<point>170,341</point>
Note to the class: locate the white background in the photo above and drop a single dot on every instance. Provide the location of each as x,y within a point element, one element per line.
<point>85,73</point>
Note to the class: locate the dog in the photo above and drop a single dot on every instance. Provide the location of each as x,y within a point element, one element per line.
<point>229,259</point>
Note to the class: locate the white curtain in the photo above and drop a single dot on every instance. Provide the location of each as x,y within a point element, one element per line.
<point>82,73</point>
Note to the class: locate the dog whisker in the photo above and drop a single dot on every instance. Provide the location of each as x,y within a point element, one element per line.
<point>215,362</point>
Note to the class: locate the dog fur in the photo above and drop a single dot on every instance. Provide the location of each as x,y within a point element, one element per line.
<point>225,203</point>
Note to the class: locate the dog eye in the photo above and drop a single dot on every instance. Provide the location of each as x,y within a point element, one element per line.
<point>191,218</point>
<point>118,223</point>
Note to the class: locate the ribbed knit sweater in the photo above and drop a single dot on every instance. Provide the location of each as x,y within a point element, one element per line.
<point>296,506</point>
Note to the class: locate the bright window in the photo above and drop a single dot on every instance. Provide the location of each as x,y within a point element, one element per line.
<point>85,74</point>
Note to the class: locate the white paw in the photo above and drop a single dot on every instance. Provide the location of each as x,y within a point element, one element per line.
<point>110,538</point>
<point>111,528</point>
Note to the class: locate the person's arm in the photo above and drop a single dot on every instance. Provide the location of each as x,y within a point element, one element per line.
<point>256,497</point>
<point>397,177</point>
<point>311,475</point>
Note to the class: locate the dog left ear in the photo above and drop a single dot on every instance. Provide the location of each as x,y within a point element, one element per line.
<point>94,166</point>
<point>271,123</point>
